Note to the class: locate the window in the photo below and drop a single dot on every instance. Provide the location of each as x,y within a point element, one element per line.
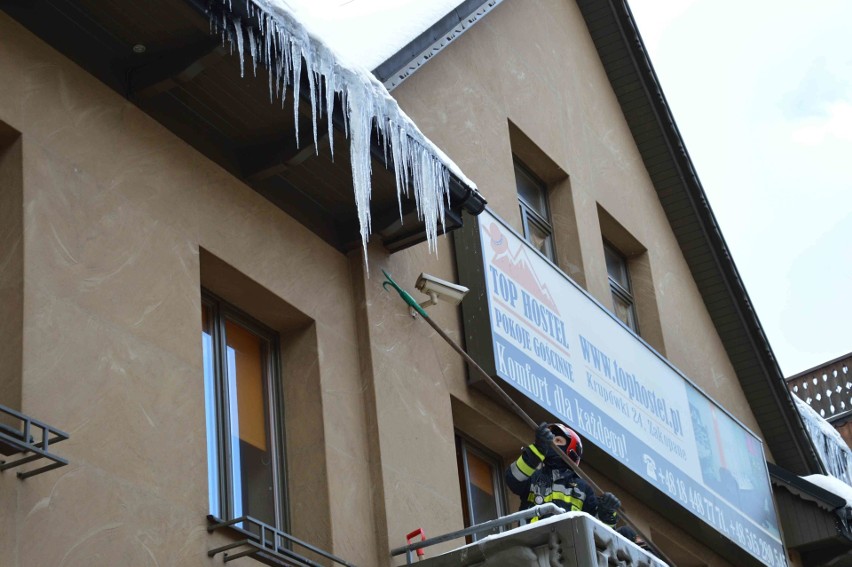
<point>619,283</point>
<point>535,214</point>
<point>481,481</point>
<point>245,457</point>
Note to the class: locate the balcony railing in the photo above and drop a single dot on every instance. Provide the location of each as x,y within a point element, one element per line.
<point>265,543</point>
<point>30,438</point>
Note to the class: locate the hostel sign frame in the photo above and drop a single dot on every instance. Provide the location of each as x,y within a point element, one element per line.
<point>557,346</point>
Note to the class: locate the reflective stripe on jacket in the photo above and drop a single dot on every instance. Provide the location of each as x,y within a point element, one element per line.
<point>536,483</point>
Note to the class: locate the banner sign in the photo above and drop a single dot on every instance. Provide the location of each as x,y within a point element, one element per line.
<point>569,355</point>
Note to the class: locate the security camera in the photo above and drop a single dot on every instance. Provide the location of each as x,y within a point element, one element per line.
<point>436,288</point>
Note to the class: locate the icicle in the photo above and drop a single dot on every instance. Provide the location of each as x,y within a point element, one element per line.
<point>253,50</point>
<point>359,139</point>
<point>325,69</point>
<point>296,61</point>
<point>312,62</point>
<point>312,86</point>
<point>238,32</point>
<point>418,164</point>
<point>268,37</point>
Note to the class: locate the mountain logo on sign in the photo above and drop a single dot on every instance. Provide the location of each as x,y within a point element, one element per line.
<point>518,266</point>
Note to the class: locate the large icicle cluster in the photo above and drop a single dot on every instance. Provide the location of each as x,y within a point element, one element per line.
<point>280,44</point>
<point>830,446</point>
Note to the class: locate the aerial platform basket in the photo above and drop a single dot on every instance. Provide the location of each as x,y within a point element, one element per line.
<point>571,539</point>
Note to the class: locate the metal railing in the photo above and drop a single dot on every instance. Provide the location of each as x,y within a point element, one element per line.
<point>265,543</point>
<point>33,439</point>
<point>537,511</point>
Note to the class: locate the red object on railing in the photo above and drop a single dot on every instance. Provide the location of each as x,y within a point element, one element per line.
<point>412,535</point>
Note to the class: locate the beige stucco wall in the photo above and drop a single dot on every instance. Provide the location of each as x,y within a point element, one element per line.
<point>115,210</point>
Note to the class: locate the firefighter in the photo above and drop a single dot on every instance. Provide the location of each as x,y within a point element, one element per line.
<point>540,475</point>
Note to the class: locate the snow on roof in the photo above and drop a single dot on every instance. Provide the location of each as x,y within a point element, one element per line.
<point>280,44</point>
<point>369,32</point>
<point>829,444</point>
<point>833,485</point>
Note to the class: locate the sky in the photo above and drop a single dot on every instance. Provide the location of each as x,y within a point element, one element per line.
<point>762,94</point>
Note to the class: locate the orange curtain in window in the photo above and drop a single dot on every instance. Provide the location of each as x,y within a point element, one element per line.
<point>481,474</point>
<point>248,354</point>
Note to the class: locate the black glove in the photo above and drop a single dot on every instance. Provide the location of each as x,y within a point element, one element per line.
<point>608,504</point>
<point>543,437</point>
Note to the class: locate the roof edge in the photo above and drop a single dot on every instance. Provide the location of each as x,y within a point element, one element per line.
<point>405,62</point>
<point>805,489</point>
<point>820,366</point>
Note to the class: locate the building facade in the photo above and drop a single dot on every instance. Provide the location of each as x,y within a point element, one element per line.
<point>186,297</point>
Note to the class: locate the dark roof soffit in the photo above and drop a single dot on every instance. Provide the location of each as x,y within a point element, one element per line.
<point>758,372</point>
<point>461,196</point>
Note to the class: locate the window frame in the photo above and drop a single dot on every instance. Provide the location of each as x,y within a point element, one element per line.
<point>616,289</point>
<point>529,214</point>
<point>221,311</point>
<point>464,445</point>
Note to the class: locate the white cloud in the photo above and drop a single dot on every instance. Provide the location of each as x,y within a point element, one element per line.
<point>835,125</point>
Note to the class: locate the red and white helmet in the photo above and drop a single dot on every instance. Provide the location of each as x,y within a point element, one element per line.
<point>574,445</point>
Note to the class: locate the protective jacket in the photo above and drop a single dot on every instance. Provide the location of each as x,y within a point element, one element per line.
<point>538,479</point>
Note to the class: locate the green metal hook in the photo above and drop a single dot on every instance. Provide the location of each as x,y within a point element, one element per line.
<point>404,295</point>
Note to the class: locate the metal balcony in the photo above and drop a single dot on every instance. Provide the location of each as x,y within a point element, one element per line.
<point>265,543</point>
<point>565,539</point>
<point>29,438</point>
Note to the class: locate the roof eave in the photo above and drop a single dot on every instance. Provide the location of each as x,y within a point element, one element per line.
<point>405,62</point>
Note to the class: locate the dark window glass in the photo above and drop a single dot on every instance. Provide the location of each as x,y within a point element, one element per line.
<point>619,283</point>
<point>532,191</point>
<point>244,456</point>
<point>535,214</point>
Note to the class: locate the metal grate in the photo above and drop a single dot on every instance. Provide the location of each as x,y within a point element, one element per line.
<point>29,438</point>
<point>826,388</point>
<point>265,544</point>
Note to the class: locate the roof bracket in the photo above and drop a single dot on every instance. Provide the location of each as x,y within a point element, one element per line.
<point>167,69</point>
